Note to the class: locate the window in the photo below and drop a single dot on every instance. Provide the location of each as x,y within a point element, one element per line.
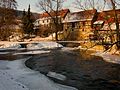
<point>38,22</point>
<point>47,25</point>
<point>73,25</point>
<point>47,20</point>
<point>83,29</point>
<point>77,25</point>
<point>43,21</point>
<point>83,23</point>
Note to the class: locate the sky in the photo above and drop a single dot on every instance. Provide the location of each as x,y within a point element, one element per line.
<point>23,4</point>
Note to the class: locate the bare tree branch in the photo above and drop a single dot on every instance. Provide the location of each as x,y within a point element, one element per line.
<point>52,8</point>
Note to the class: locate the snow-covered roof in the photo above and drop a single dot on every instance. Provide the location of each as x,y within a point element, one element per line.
<point>80,16</point>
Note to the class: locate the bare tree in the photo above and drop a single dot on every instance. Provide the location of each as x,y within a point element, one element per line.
<point>11,4</point>
<point>100,5</point>
<point>114,6</point>
<point>7,17</point>
<point>89,4</point>
<point>52,8</point>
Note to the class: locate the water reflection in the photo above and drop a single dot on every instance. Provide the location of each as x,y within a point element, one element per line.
<point>82,70</point>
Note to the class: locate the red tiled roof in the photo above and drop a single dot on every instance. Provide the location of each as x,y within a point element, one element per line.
<point>60,13</point>
<point>108,16</point>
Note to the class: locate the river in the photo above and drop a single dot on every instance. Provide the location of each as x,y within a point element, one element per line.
<point>81,69</point>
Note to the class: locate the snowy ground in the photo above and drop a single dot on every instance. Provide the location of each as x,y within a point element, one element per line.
<point>108,57</point>
<point>14,75</point>
<point>7,82</point>
<point>30,45</point>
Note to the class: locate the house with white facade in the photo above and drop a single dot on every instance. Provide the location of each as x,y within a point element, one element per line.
<point>45,18</point>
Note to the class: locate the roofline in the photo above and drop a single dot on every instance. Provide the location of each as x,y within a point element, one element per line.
<point>76,21</point>
<point>83,11</point>
<point>110,10</point>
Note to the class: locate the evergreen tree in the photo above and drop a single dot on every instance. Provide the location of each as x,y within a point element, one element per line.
<point>24,21</point>
<point>28,22</point>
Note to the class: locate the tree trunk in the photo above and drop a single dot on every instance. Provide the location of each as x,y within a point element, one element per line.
<point>117,24</point>
<point>56,36</point>
<point>56,32</point>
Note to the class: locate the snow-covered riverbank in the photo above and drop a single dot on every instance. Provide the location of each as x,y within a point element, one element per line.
<point>108,57</point>
<point>14,75</point>
<point>30,45</point>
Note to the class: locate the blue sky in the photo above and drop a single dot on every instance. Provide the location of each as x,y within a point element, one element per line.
<point>23,4</point>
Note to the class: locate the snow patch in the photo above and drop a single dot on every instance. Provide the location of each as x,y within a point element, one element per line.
<point>56,75</point>
<point>69,48</point>
<point>27,78</point>
<point>31,52</point>
<point>108,57</point>
<point>7,82</point>
<point>4,53</point>
<point>32,45</point>
<point>11,45</point>
<point>41,45</point>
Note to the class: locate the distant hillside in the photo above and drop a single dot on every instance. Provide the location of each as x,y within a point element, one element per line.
<point>20,13</point>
